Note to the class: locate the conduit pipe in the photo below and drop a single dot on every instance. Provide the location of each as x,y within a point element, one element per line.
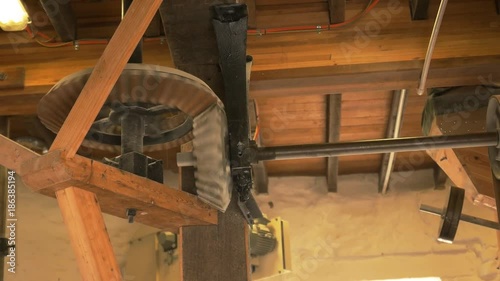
<point>397,127</point>
<point>432,45</point>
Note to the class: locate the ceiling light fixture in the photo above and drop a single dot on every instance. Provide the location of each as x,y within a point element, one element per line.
<point>13,15</point>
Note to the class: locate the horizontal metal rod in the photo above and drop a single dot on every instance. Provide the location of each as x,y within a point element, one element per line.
<point>463,217</point>
<point>376,146</point>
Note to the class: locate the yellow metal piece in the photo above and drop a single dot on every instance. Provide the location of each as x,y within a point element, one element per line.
<point>279,261</point>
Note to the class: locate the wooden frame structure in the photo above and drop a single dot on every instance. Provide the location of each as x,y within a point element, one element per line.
<point>78,182</point>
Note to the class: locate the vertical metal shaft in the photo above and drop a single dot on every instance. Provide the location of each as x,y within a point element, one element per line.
<point>4,130</point>
<point>430,48</point>
<point>132,133</point>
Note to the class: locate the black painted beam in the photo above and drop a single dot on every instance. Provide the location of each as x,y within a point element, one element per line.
<point>62,18</point>
<point>336,11</point>
<point>419,9</point>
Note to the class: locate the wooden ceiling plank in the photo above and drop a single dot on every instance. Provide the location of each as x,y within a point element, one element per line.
<point>105,75</point>
<point>366,77</point>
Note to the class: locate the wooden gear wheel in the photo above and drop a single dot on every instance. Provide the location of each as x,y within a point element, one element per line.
<point>171,99</point>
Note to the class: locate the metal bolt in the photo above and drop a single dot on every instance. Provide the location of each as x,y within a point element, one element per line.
<point>130,213</point>
<point>3,76</point>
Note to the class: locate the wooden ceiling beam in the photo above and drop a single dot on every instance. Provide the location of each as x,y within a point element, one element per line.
<point>374,76</point>
<point>388,76</point>
<point>157,205</point>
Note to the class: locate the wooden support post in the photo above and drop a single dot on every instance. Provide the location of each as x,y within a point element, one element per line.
<point>89,237</point>
<point>104,76</point>
<point>334,108</point>
<point>219,252</point>
<point>418,9</point>
<point>337,10</point>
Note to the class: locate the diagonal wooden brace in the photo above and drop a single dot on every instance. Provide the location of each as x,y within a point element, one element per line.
<point>12,154</point>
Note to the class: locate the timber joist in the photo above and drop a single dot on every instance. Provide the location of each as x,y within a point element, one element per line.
<point>158,205</point>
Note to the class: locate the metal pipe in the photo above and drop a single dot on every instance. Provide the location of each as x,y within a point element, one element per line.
<point>430,48</point>
<point>376,146</point>
<point>397,128</point>
<point>470,219</point>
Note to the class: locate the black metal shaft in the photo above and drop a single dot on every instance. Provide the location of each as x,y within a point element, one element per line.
<point>377,146</point>
<point>132,133</point>
<point>463,217</point>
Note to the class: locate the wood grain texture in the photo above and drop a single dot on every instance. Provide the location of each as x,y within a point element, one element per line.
<point>366,77</point>
<point>158,205</point>
<point>104,75</point>
<point>13,155</point>
<point>88,235</point>
<point>11,78</point>
<point>451,165</point>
